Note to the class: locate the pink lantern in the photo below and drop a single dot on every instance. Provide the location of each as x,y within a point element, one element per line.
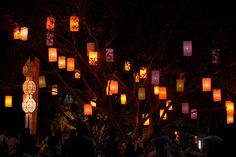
<point>193,113</point>
<point>187,48</point>
<point>185,107</point>
<point>155,74</point>
<point>110,55</point>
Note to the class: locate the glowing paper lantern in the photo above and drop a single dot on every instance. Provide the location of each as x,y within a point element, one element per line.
<point>70,64</point>
<point>54,90</point>
<point>230,118</point>
<point>193,113</point>
<point>215,56</point>
<point>29,104</point>
<point>127,66</point>
<point>141,94</point>
<point>50,24</point>
<point>161,113</point>
<point>123,99</point>
<point>168,105</point>
<point>136,77</point>
<point>156,90</point>
<point>216,95</point>
<point>185,107</point>
<point>110,55</point>
<point>93,102</point>
<point>88,110</point>
<point>52,54</point>
<point>49,38</point>
<point>16,33</point>
<point>187,48</point>
<point>206,84</point>
<point>61,62</point>
<point>74,23</point>
<point>42,81</point>
<point>24,33</point>
<point>179,85</point>
<point>162,93</point>
<point>8,101</point>
<point>77,74</point>
<point>147,122</point>
<point>114,87</point>
<point>229,105</point>
<point>143,73</point>
<point>93,57</point>
<point>155,76</point>
<point>29,87</point>
<point>90,47</point>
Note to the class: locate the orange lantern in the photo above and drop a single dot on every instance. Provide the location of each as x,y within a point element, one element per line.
<point>206,84</point>
<point>123,99</point>
<point>147,122</point>
<point>70,64</point>
<point>127,66</point>
<point>161,113</point>
<point>179,85</point>
<point>143,73</point>
<point>167,105</point>
<point>77,74</point>
<point>216,95</point>
<point>88,110</point>
<point>16,33</point>
<point>113,86</point>
<point>93,57</point>
<point>230,118</point>
<point>141,94</point>
<point>52,54</point>
<point>8,101</point>
<point>136,77</point>
<point>90,47</point>
<point>23,33</point>
<point>74,23</point>
<point>54,90</point>
<point>61,62</point>
<point>156,90</point>
<point>229,107</point>
<point>162,93</point>
<point>50,24</point>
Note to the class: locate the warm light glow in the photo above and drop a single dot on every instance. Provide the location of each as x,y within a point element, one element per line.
<point>54,90</point>
<point>29,87</point>
<point>143,73</point>
<point>123,99</point>
<point>90,47</point>
<point>185,107</point>
<point>16,33</point>
<point>93,57</point>
<point>156,90</point>
<point>28,104</point>
<point>167,105</point>
<point>230,118</point>
<point>162,93</point>
<point>50,24</point>
<point>155,74</point>
<point>8,101</point>
<point>93,102</point>
<point>141,94</point>
<point>110,55</point>
<point>161,113</point>
<point>229,105</point>
<point>24,33</point>
<point>187,48</point>
<point>74,23</point>
<point>42,81</point>
<point>70,64</point>
<point>206,84</point>
<point>216,95</point>
<point>52,54</point>
<point>113,87</point>
<point>77,74</point>
<point>147,122</point>
<point>179,85</point>
<point>193,113</point>
<point>136,77</point>
<point>88,110</point>
<point>127,66</point>
<point>61,62</point>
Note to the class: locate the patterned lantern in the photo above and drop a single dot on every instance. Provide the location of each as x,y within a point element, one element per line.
<point>54,90</point>
<point>155,74</point>
<point>110,55</point>
<point>187,48</point>
<point>74,23</point>
<point>216,95</point>
<point>52,54</point>
<point>8,101</point>
<point>93,57</point>
<point>16,33</point>
<point>193,113</point>
<point>61,62</point>
<point>77,74</point>
<point>42,81</point>
<point>28,104</point>
<point>123,99</point>
<point>185,107</point>
<point>141,94</point>
<point>156,90</point>
<point>215,56</point>
<point>49,38</point>
<point>136,77</point>
<point>88,110</point>
<point>168,105</point>
<point>147,122</point>
<point>90,47</point>
<point>50,24</point>
<point>206,84</point>
<point>24,33</point>
<point>29,87</point>
<point>143,73</point>
<point>229,105</point>
<point>162,93</point>
<point>230,118</point>
<point>127,66</point>
<point>70,64</point>
<point>161,113</point>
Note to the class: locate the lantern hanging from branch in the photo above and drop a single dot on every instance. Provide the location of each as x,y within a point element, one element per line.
<point>229,105</point>
<point>54,90</point>
<point>77,74</point>
<point>88,110</point>
<point>161,113</point>
<point>29,87</point>
<point>155,75</point>
<point>136,77</point>
<point>93,102</point>
<point>93,57</point>
<point>141,94</point>
<point>215,56</point>
<point>162,93</point>
<point>16,33</point>
<point>24,33</point>
<point>61,62</point>
<point>216,95</point>
<point>193,113</point>
<point>127,66</point>
<point>147,121</point>
<point>110,55</point>
<point>206,84</point>
<point>50,24</point>
<point>170,107</point>
<point>90,47</point>
<point>143,73</point>
<point>70,64</point>
<point>187,48</point>
<point>8,101</point>
<point>52,54</point>
<point>156,90</point>
<point>123,99</point>
<point>113,86</point>
<point>49,38</point>
<point>179,85</point>
<point>74,23</point>
<point>230,118</point>
<point>42,81</point>
<point>28,104</point>
<point>185,107</point>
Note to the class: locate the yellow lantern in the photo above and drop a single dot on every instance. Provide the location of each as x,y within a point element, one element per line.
<point>167,105</point>
<point>8,101</point>
<point>16,33</point>
<point>61,62</point>
<point>216,95</point>
<point>179,85</point>
<point>74,23</point>
<point>127,66</point>
<point>90,47</point>
<point>136,77</point>
<point>70,64</point>
<point>147,122</point>
<point>24,33</point>
<point>161,113</point>
<point>54,90</point>
<point>229,107</point>
<point>50,24</point>
<point>88,110</point>
<point>206,84</point>
<point>93,57</point>
<point>42,81</point>
<point>230,118</point>
<point>77,74</point>
<point>162,93</point>
<point>143,73</point>
<point>123,99</point>
<point>156,90</point>
<point>52,54</point>
<point>141,94</point>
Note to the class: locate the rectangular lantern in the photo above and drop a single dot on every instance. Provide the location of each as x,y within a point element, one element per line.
<point>112,87</point>
<point>168,105</point>
<point>90,47</point>
<point>229,105</point>
<point>50,24</point>
<point>123,99</point>
<point>110,55</point>
<point>127,66</point>
<point>216,95</point>
<point>185,107</point>
<point>147,122</point>
<point>206,84</point>
<point>77,74</point>
<point>215,56</point>
<point>93,57</point>
<point>70,64</point>
<point>24,33</point>
<point>88,110</point>
<point>141,94</point>
<point>61,62</point>
<point>162,93</point>
<point>143,73</point>
<point>42,81</point>
<point>179,85</point>
<point>16,33</point>
<point>156,90</point>
<point>187,48</point>
<point>161,113</point>
<point>74,23</point>
<point>136,77</point>
<point>52,54</point>
<point>8,101</point>
<point>193,113</point>
<point>54,90</point>
<point>49,38</point>
<point>155,76</point>
<point>230,118</point>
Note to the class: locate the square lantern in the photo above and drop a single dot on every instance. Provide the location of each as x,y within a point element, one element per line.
<point>70,64</point>
<point>52,54</point>
<point>77,74</point>
<point>74,23</point>
<point>161,113</point>
<point>42,81</point>
<point>206,84</point>
<point>185,107</point>
<point>8,101</point>
<point>49,38</point>
<point>141,94</point>
<point>193,113</point>
<point>110,55</point>
<point>90,47</point>
<point>143,73</point>
<point>162,93</point>
<point>155,76</point>
<point>187,48</point>
<point>123,99</point>
<point>61,62</point>
<point>127,66</point>
<point>216,95</point>
<point>156,90</point>
<point>50,24</point>
<point>88,110</point>
<point>54,90</point>
<point>179,85</point>
<point>23,33</point>
<point>230,118</point>
<point>93,57</point>
<point>229,105</point>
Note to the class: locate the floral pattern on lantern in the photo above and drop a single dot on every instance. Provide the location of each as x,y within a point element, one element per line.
<point>77,74</point>
<point>29,104</point>
<point>93,57</point>
<point>127,66</point>
<point>29,87</point>
<point>110,55</point>
<point>50,24</point>
<point>74,23</point>
<point>143,73</point>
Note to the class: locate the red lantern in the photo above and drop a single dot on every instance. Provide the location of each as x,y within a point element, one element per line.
<point>162,93</point>
<point>88,110</point>
<point>216,95</point>
<point>206,84</point>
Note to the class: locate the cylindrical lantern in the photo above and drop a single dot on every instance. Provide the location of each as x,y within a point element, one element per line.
<point>61,62</point>
<point>16,33</point>
<point>187,48</point>
<point>90,47</point>
<point>24,33</point>
<point>179,85</point>
<point>206,84</point>
<point>185,107</point>
<point>74,23</point>
<point>110,55</point>
<point>229,105</point>
<point>8,101</point>
<point>216,95</point>
<point>162,93</point>
<point>193,113</point>
<point>161,113</point>
<point>29,87</point>
<point>127,66</point>
<point>168,105</point>
<point>156,90</point>
<point>70,64</point>
<point>136,77</point>
<point>28,104</point>
<point>141,94</point>
<point>93,57</point>
<point>155,74</point>
<point>88,110</point>
<point>50,24</point>
<point>143,73</point>
<point>77,74</point>
<point>54,90</point>
<point>42,81</point>
<point>113,86</point>
<point>52,54</point>
<point>123,99</point>
<point>230,118</point>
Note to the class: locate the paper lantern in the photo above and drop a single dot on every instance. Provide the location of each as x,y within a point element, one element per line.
<point>93,102</point>
<point>216,95</point>
<point>230,118</point>
<point>77,74</point>
<point>143,73</point>
<point>123,99</point>
<point>147,122</point>
<point>155,76</point>
<point>93,57</point>
<point>136,77</point>
<point>49,38</point>
<point>54,90</point>
<point>42,81</point>
<point>24,33</point>
<point>110,55</point>
<point>156,90</point>
<point>61,62</point>
<point>127,66</point>
<point>29,104</point>
<point>193,113</point>
<point>16,33</point>
<point>195,139</point>
<point>229,105</point>
<point>206,84</point>
<point>88,110</point>
<point>182,76</point>
<point>168,105</point>
<point>8,101</point>
<point>161,113</point>
<point>187,48</point>
<point>74,23</point>
<point>141,94</point>
<point>52,54</point>
<point>50,24</point>
<point>70,64</point>
<point>179,85</point>
<point>29,87</point>
<point>113,86</point>
<point>162,93</point>
<point>90,47</point>
<point>215,56</point>
<point>185,107</point>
